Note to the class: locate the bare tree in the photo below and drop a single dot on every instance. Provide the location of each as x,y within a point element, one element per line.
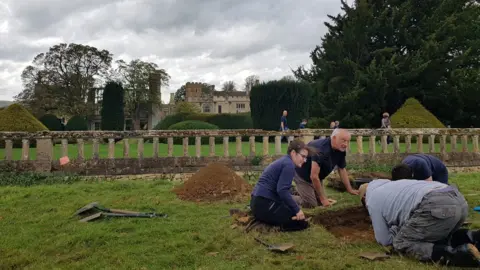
<point>229,86</point>
<point>251,81</point>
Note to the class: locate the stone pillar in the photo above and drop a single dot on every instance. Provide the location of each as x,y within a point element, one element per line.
<point>44,155</point>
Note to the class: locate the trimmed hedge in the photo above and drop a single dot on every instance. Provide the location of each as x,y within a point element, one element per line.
<point>17,118</point>
<point>192,125</point>
<point>412,114</point>
<point>77,123</point>
<point>222,121</point>
<point>52,122</point>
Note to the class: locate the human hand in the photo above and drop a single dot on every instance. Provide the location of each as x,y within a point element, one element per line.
<point>299,216</point>
<point>325,202</point>
<point>353,191</point>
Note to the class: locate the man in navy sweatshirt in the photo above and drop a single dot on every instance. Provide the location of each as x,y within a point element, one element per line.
<point>272,201</point>
<point>421,167</point>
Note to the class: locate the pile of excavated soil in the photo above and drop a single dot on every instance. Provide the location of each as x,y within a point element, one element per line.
<point>336,182</point>
<point>350,224</point>
<point>213,183</point>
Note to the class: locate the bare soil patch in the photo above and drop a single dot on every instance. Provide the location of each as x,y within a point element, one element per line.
<point>214,182</point>
<point>350,224</point>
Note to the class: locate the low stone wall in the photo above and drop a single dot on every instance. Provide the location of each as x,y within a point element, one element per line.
<point>464,155</point>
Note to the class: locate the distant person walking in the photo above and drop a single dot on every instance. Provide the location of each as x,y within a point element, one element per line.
<point>303,124</point>
<point>283,123</point>
<point>386,124</point>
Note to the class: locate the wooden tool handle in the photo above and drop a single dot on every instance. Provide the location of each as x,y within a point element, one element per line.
<point>120,211</point>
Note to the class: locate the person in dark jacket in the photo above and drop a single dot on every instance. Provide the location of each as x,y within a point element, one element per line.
<point>421,167</point>
<point>271,201</point>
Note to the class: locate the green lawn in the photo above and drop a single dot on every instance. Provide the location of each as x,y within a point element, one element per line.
<point>205,150</point>
<point>39,232</point>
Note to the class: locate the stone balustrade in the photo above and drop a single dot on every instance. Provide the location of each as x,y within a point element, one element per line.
<point>457,147</point>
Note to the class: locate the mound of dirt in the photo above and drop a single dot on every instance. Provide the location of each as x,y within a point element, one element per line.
<point>350,224</point>
<point>214,182</point>
<point>336,182</point>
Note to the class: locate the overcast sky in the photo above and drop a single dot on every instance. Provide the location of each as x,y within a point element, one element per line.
<point>211,41</point>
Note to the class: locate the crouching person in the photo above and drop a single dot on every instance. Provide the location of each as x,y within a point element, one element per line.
<point>271,201</point>
<point>419,218</point>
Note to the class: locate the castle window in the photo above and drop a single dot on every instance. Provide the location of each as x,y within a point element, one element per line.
<point>206,108</point>
<point>240,105</point>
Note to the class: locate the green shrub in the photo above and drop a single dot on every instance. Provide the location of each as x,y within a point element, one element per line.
<point>192,125</point>
<point>231,121</point>
<point>30,179</point>
<point>51,122</point>
<point>113,108</point>
<point>17,118</point>
<point>317,122</point>
<point>170,120</point>
<point>412,114</point>
<point>77,123</point>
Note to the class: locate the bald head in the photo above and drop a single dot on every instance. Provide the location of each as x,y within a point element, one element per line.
<point>340,139</point>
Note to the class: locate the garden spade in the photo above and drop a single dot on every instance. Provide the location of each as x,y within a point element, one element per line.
<point>95,207</point>
<point>278,248</point>
<point>103,214</point>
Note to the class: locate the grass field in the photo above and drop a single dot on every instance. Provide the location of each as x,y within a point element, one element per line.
<point>205,150</point>
<point>39,232</point>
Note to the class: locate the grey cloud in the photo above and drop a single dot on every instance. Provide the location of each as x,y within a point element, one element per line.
<point>235,37</point>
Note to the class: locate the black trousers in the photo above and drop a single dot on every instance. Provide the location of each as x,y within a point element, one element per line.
<point>276,214</point>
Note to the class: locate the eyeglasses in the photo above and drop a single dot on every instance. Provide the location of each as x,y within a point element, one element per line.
<point>304,156</point>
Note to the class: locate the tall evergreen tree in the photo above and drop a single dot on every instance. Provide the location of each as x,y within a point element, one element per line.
<point>113,107</point>
<point>377,53</point>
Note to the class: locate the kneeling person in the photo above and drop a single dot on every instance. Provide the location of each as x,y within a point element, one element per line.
<point>271,200</point>
<point>416,216</point>
<point>421,167</point>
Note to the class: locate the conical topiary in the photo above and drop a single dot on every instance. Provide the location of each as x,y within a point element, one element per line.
<point>412,114</point>
<point>17,118</point>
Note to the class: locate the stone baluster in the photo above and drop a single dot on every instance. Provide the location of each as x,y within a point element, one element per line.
<point>111,148</point>
<point>443,145</point>
<point>372,149</point>
<point>155,146</point>
<point>238,144</point>
<point>226,148</point>
<point>140,148</point>
<point>396,144</point>
<point>8,149</point>
<point>384,144</point>
<point>198,146</point>
<point>475,143</point>
<point>25,149</point>
<point>126,148</point>
<point>252,145</point>
<point>170,146</point>
<point>81,149</point>
<point>95,148</point>
<point>420,143</point>
<point>408,144</point>
<point>453,143</point>
<point>431,144</point>
<point>64,148</point>
<point>465,143</point>
<point>290,139</point>
<point>323,137</point>
<point>44,155</point>
<point>278,145</point>
<point>360,144</point>
<point>211,142</point>
<point>185,147</point>
<point>266,151</point>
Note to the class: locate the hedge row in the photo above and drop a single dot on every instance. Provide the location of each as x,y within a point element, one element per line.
<point>222,121</point>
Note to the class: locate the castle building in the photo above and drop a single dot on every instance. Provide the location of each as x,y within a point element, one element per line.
<point>211,101</point>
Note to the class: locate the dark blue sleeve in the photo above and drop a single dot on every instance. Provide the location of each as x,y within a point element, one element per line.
<point>343,162</point>
<point>284,184</point>
<point>421,170</point>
